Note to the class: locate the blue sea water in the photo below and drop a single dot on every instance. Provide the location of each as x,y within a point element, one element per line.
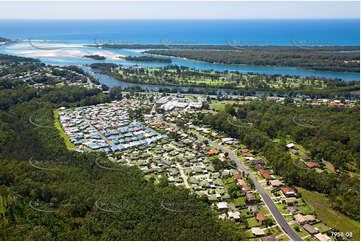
<point>233,32</point>
<point>246,32</point>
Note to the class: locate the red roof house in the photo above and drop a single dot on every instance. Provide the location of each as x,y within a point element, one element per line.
<point>311,164</point>
<point>246,188</point>
<point>260,217</point>
<point>213,152</point>
<point>265,174</point>
<point>288,192</point>
<point>237,176</point>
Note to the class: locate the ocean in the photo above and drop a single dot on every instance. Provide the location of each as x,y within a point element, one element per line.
<point>241,32</point>
<point>75,33</point>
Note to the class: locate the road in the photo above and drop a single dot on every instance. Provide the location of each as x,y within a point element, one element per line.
<point>266,198</point>
<point>110,143</point>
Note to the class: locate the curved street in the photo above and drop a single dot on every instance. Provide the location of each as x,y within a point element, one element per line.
<point>266,198</point>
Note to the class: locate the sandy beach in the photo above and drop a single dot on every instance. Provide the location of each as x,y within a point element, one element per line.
<point>39,50</point>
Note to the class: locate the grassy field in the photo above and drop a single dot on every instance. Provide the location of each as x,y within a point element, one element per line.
<point>334,219</point>
<point>218,80</point>
<point>329,166</point>
<point>191,97</point>
<point>283,238</point>
<point>68,144</point>
<point>218,107</point>
<point>302,232</point>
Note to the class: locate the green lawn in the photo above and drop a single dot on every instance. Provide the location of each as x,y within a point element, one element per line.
<point>283,238</point>
<point>282,208</point>
<point>334,219</point>
<point>218,107</point>
<point>249,234</point>
<point>252,222</point>
<point>264,210</point>
<point>310,238</point>
<point>321,227</point>
<point>302,233</point>
<point>191,97</point>
<point>68,144</point>
<point>274,231</point>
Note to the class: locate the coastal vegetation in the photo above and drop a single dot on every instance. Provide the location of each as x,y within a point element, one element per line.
<point>11,59</point>
<point>2,39</point>
<point>61,199</point>
<point>147,59</point>
<point>322,58</point>
<point>321,204</point>
<point>95,57</point>
<point>180,76</point>
<point>335,139</point>
<point>307,59</point>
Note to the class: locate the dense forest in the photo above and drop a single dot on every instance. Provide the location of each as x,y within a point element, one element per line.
<point>229,46</point>
<point>148,59</point>
<point>2,39</point>
<point>6,59</point>
<point>323,58</point>
<point>307,59</point>
<point>95,57</point>
<point>334,137</point>
<point>50,193</point>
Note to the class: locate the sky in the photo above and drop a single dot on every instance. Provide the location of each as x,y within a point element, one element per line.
<point>178,10</point>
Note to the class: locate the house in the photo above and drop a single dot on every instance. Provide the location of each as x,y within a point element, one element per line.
<point>293,210</point>
<point>213,152</point>
<point>288,192</point>
<point>260,217</point>
<point>257,231</point>
<point>234,215</point>
<point>260,162</point>
<point>268,238</point>
<point>301,219</point>
<point>246,188</point>
<point>322,237</point>
<point>276,183</point>
<point>237,176</point>
<point>248,154</point>
<point>222,205</point>
<point>222,158</point>
<point>265,174</point>
<point>240,182</point>
<point>311,164</point>
<point>227,140</point>
<point>250,197</point>
<point>305,157</point>
<point>310,229</point>
<point>290,201</point>
<point>293,151</point>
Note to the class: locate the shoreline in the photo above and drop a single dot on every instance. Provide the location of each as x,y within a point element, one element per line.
<point>257,66</point>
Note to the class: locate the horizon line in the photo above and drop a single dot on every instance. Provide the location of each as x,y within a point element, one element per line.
<point>181,19</point>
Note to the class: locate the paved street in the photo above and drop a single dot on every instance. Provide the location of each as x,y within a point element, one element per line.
<point>282,222</point>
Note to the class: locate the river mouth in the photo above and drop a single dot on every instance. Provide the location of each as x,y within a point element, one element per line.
<point>72,53</point>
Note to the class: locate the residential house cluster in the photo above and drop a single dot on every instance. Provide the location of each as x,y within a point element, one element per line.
<point>105,128</point>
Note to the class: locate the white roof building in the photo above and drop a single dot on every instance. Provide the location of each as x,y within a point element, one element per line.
<point>257,231</point>
<point>322,237</point>
<point>222,205</point>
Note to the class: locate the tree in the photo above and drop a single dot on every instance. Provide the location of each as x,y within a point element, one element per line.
<point>105,87</point>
